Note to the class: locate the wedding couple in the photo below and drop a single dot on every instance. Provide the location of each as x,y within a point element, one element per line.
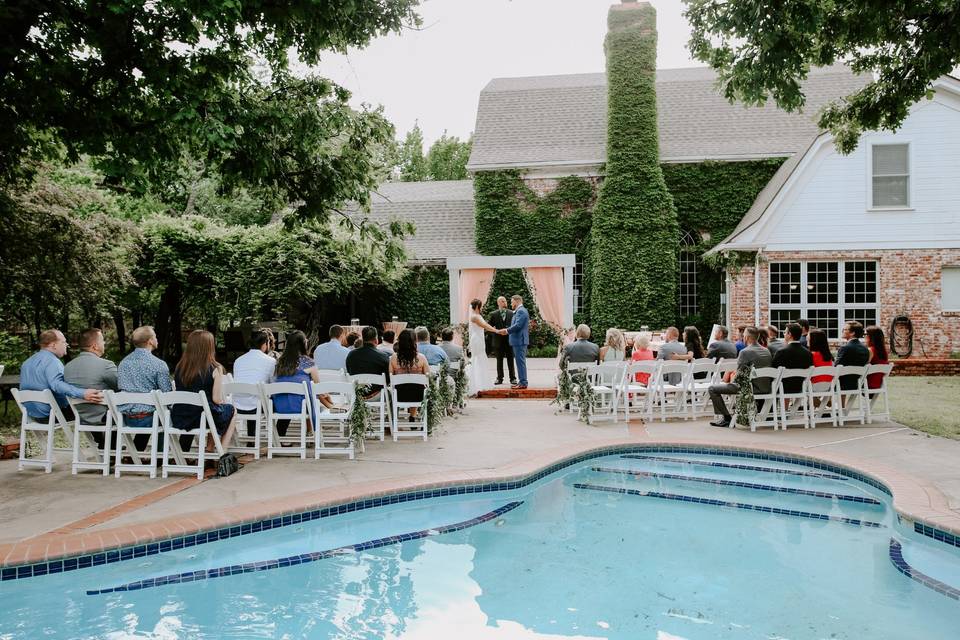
<point>518,335</point>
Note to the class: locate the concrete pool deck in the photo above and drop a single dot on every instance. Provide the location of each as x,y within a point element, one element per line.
<point>51,515</point>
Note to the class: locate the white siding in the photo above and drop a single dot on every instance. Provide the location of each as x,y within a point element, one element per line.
<point>828,206</point>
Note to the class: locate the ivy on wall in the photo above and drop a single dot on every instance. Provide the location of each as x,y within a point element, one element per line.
<point>635,233</point>
<point>421,298</point>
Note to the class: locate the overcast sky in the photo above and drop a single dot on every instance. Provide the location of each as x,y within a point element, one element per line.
<point>435,75</point>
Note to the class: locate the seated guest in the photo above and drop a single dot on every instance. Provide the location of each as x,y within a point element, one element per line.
<point>272,345</point>
<point>642,351</point>
<point>694,345</point>
<point>386,344</point>
<point>722,347</point>
<point>820,351</point>
<point>763,338</point>
<point>43,370</point>
<point>333,354</point>
<point>256,366</point>
<point>142,372</point>
<point>614,348</point>
<point>740,344</point>
<point>805,326</point>
<point>793,355</point>
<point>369,359</point>
<point>295,365</point>
<point>774,343</point>
<point>434,354</point>
<point>408,359</point>
<point>581,349</point>
<point>91,370</point>
<point>752,354</point>
<point>878,354</point>
<point>853,354</point>
<point>672,349</point>
<point>198,370</point>
<point>454,352</point>
<point>352,340</point>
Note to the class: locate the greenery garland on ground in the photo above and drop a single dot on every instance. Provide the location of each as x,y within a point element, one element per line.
<point>564,387</point>
<point>460,386</point>
<point>359,416</point>
<point>586,398</point>
<point>435,409</point>
<point>634,234</point>
<point>444,392</point>
<point>746,406</point>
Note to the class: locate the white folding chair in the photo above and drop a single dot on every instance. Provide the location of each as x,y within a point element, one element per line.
<point>125,446</point>
<point>872,396</point>
<point>171,434</point>
<point>417,428</point>
<point>332,375</point>
<point>243,442</point>
<point>606,380</point>
<point>301,417</point>
<point>823,407</point>
<point>850,402</point>
<point>86,453</point>
<point>378,404</point>
<point>637,394</point>
<point>47,426</point>
<point>698,389</point>
<point>767,411</point>
<point>331,428</point>
<point>573,368</point>
<point>673,395</point>
<point>795,407</point>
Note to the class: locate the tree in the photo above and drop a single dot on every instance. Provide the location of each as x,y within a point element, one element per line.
<point>634,233</point>
<point>764,49</point>
<point>447,158</point>
<point>411,164</point>
<point>138,84</point>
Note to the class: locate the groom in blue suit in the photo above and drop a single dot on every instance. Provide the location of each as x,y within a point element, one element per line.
<point>519,332</point>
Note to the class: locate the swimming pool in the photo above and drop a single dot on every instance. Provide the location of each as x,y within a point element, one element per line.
<point>660,544</point>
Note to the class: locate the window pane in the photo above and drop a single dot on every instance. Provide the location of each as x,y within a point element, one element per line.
<point>860,282</point>
<point>950,296</point>
<point>866,317</point>
<point>688,284</point>
<point>825,319</point>
<point>822,283</point>
<point>890,159</point>
<point>785,283</point>
<point>577,285</point>
<point>780,318</point>
<point>890,191</point>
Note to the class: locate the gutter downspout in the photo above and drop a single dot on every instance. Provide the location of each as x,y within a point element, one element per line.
<point>756,289</point>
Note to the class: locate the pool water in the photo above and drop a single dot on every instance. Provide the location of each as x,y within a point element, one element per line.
<point>663,546</point>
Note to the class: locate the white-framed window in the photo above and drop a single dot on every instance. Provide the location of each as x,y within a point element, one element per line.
<point>890,176</point>
<point>950,289</point>
<point>827,293</point>
<point>688,304</point>
<point>578,285</point>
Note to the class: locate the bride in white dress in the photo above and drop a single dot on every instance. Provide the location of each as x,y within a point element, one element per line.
<point>478,374</point>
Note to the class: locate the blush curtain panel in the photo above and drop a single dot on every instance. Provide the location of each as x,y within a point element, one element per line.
<point>474,283</point>
<point>547,285</point>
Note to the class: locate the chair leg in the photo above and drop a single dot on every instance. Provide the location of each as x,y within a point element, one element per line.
<point>74,458</point>
<point>49,454</point>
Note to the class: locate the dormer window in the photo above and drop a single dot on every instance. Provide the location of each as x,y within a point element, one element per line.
<point>890,168</point>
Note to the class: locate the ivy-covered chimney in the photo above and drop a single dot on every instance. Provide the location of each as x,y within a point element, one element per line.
<point>634,232</point>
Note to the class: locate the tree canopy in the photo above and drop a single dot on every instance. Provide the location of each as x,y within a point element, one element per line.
<point>764,49</point>
<point>138,84</point>
<point>445,160</point>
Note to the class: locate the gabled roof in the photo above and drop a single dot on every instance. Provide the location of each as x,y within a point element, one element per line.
<point>556,121</point>
<point>442,212</point>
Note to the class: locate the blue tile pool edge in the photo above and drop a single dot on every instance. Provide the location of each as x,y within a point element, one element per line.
<point>58,565</point>
<point>304,558</point>
<point>896,557</point>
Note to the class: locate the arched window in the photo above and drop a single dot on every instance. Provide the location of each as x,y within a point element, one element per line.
<point>689,240</point>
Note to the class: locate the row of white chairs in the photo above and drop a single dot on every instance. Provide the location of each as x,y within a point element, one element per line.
<point>331,427</point>
<point>617,389</point>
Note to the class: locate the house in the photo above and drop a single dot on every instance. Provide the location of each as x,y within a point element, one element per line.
<point>790,228</point>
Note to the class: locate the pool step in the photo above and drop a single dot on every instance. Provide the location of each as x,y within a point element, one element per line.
<point>742,485</point>
<point>730,465</point>
<point>725,503</point>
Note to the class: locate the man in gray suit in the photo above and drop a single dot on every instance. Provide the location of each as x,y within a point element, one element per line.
<point>582,350</point>
<point>722,348</point>
<point>90,370</point>
<point>752,354</point>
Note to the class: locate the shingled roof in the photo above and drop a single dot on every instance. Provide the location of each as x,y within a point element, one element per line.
<point>441,210</point>
<point>556,121</point>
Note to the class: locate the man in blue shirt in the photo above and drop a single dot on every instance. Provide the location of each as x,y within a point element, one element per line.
<point>43,370</point>
<point>332,355</point>
<point>142,372</point>
<point>434,354</point>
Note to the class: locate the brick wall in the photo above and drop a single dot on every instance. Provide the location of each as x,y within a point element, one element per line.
<point>909,283</point>
<point>926,367</point>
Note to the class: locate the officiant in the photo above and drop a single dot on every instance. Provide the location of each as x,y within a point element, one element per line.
<point>501,319</point>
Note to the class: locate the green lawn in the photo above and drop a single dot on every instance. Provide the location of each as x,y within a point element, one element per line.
<point>927,404</point>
